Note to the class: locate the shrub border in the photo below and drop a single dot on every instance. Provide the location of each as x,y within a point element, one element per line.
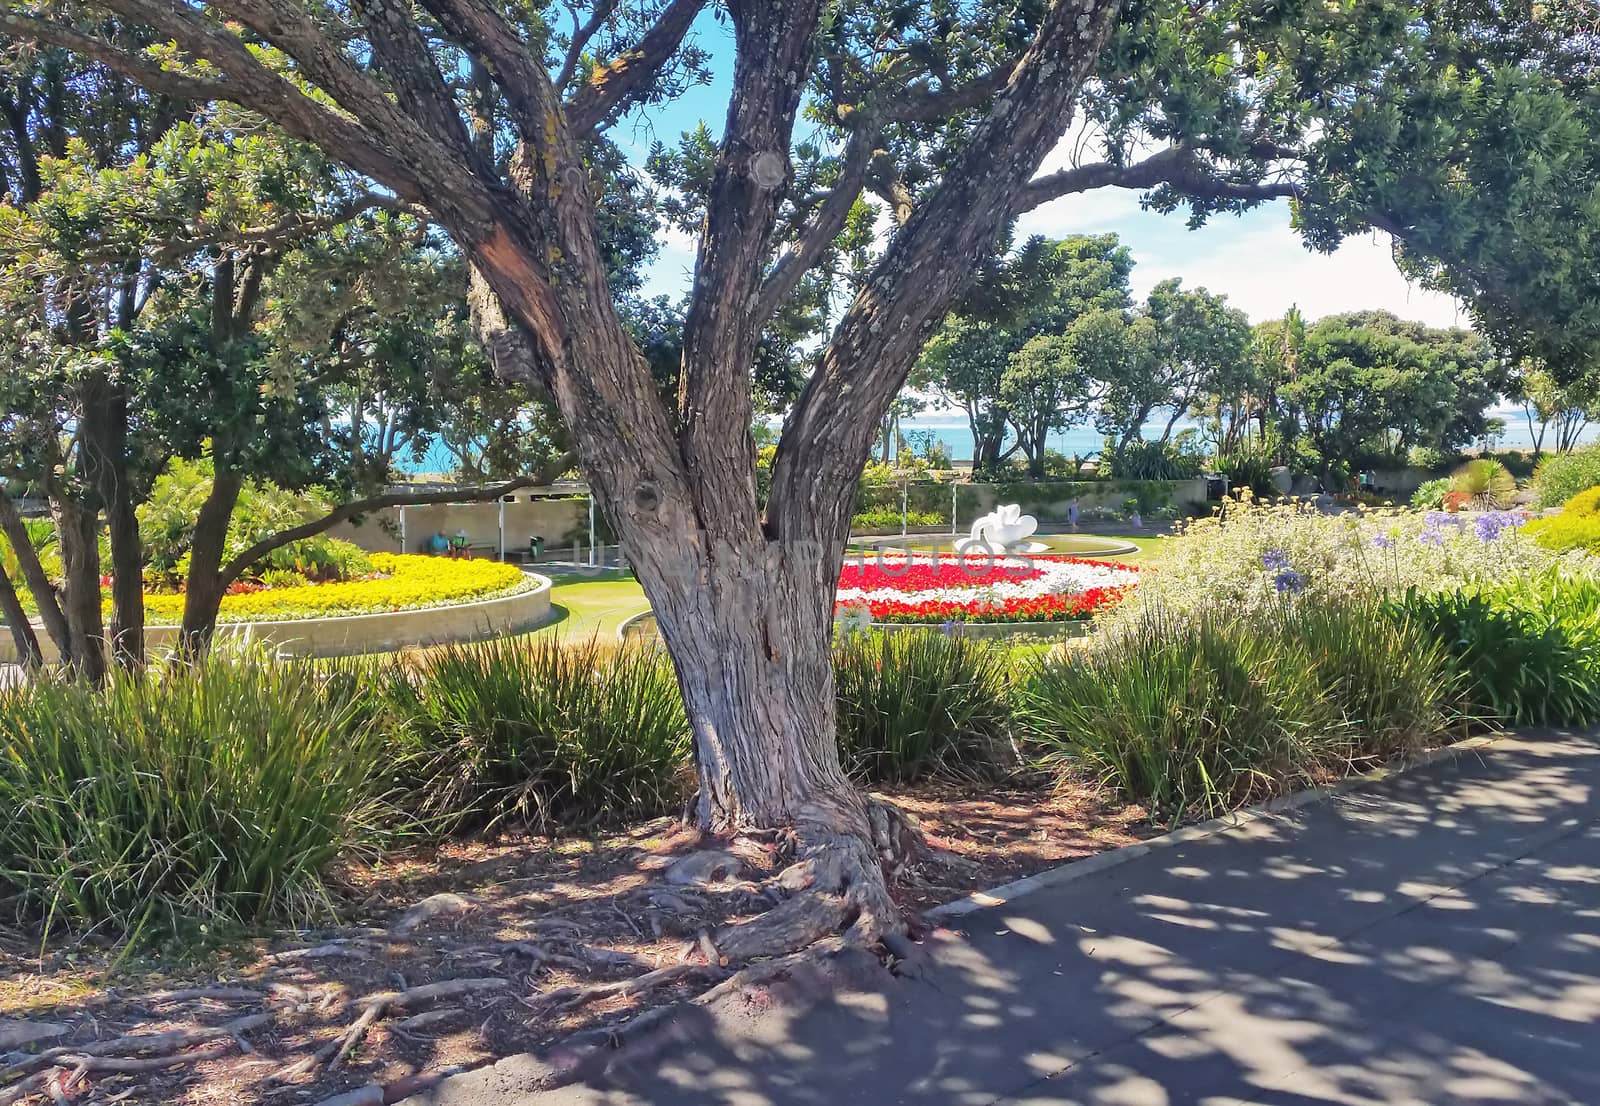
<point>351,634</point>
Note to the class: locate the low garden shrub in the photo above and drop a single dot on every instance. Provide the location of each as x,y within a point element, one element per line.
<point>1576,527</point>
<point>217,793</point>
<point>1525,652</point>
<point>886,518</point>
<point>1430,494</point>
<point>1194,714</point>
<point>915,704</point>
<point>537,732</point>
<point>409,581</point>
<point>1560,476</point>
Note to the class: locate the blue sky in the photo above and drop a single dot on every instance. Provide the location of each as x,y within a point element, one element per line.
<point>1256,260</point>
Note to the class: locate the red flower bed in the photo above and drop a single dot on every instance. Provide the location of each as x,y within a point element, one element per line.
<point>981,589</point>
<point>1042,608</point>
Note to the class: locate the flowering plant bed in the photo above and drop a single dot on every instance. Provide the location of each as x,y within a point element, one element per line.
<point>405,582</point>
<point>953,588</point>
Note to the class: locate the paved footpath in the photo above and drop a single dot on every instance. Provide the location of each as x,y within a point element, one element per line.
<point>1431,939</point>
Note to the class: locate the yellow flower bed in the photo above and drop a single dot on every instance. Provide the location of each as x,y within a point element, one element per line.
<point>409,582</point>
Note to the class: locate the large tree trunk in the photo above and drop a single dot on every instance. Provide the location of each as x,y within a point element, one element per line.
<point>76,531</point>
<point>22,635</point>
<point>204,586</point>
<point>105,434</point>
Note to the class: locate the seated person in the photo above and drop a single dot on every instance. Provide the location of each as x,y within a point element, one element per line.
<point>461,547</point>
<point>438,545</point>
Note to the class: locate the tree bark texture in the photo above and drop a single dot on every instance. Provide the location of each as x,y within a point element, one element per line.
<point>53,618</point>
<point>22,635</point>
<point>77,536</point>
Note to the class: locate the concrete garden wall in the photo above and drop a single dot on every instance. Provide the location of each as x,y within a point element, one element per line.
<point>551,519</point>
<point>361,633</point>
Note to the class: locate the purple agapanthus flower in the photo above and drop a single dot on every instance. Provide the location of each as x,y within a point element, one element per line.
<point>1491,524</point>
<point>1274,559</point>
<point>1289,582</point>
<point>1383,541</point>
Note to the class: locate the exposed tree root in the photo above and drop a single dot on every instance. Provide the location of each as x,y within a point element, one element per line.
<point>845,857</point>
<point>160,1044</point>
<point>376,1007</point>
<point>44,1072</point>
<point>567,998</point>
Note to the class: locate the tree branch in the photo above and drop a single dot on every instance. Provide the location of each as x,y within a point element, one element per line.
<point>146,71</point>
<point>830,429</point>
<point>919,105</point>
<point>250,83</point>
<point>345,511</point>
<point>814,240</point>
<point>612,84</point>
<point>582,33</point>
<point>481,28</point>
<point>1176,166</point>
<point>773,43</point>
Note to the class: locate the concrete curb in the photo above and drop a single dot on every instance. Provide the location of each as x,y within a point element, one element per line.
<point>1112,858</point>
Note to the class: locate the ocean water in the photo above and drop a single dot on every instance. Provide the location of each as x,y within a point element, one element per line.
<point>1083,441</point>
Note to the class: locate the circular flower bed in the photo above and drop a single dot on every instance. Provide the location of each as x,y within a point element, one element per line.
<point>404,582</point>
<point>981,589</point>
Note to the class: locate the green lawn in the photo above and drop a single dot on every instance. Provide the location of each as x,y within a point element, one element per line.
<point>585,605</point>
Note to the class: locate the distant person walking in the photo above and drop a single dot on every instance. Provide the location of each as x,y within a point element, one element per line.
<point>1072,515</point>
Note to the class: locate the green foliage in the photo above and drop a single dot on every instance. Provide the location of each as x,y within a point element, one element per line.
<point>1560,476</point>
<point>536,732</point>
<point>1138,459</point>
<point>217,793</point>
<point>167,520</point>
<point>887,518</point>
<point>1192,716</point>
<point>1487,481</point>
<point>915,704</point>
<point>1430,494</point>
<point>1576,527</point>
<point>1526,652</point>
<point>1250,468</point>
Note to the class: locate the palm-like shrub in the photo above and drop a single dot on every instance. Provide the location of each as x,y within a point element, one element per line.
<point>1487,481</point>
<point>914,704</point>
<point>217,793</point>
<point>1430,494</point>
<point>538,733</point>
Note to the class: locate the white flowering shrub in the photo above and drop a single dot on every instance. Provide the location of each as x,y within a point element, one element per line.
<point>1252,555</point>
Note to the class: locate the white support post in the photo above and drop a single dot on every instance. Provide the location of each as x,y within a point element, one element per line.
<point>905,492</point>
<point>402,528</point>
<point>591,530</point>
<point>952,506</point>
<point>500,521</point>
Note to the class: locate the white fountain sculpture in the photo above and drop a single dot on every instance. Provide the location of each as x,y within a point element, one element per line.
<point>1005,530</point>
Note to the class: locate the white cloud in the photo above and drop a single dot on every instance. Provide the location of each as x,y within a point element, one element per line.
<point>1256,260</point>
<point>672,270</point>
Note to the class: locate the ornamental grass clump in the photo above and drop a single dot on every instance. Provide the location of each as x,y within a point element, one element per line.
<point>915,704</point>
<point>1192,715</point>
<point>538,733</point>
<point>209,794</point>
